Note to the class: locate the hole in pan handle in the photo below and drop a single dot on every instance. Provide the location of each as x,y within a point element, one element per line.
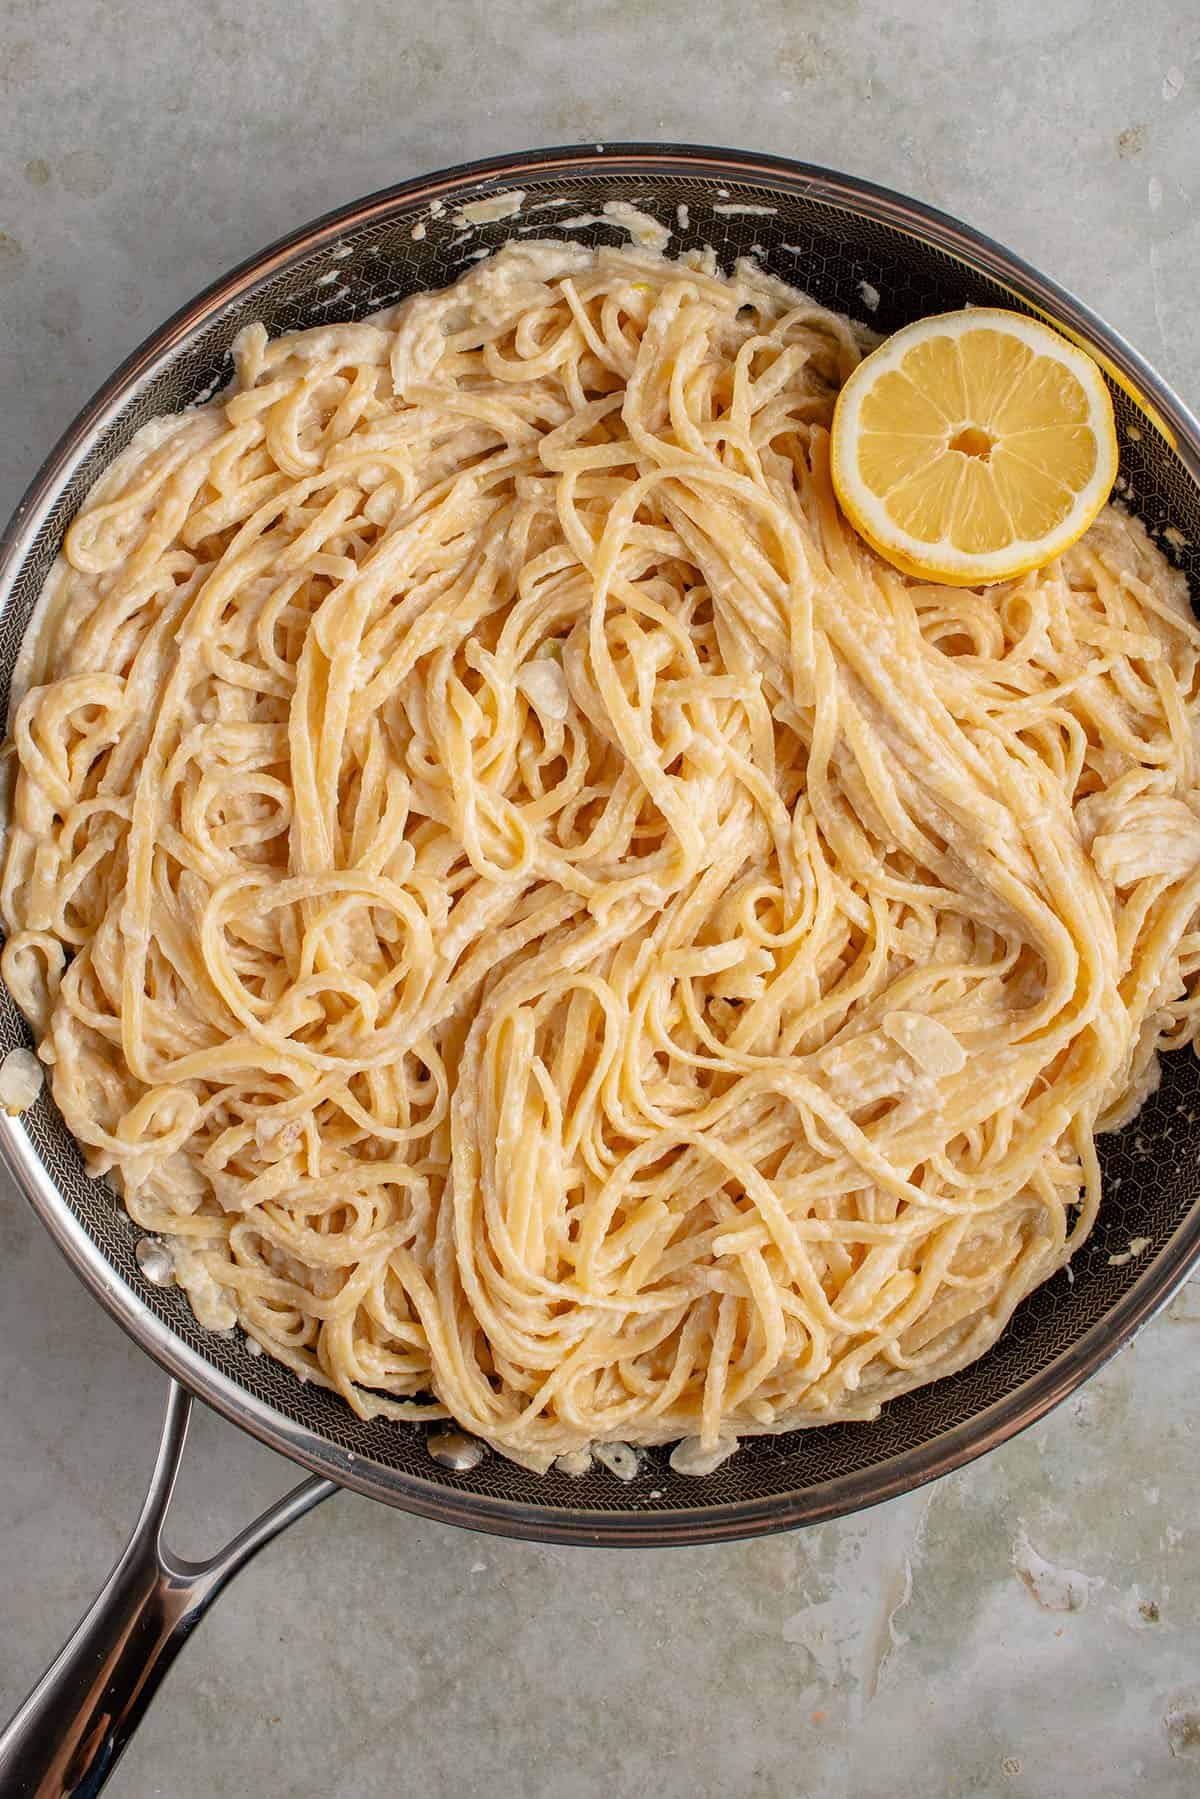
<point>70,1733</point>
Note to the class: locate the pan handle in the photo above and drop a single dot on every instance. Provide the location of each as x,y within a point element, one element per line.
<point>69,1735</point>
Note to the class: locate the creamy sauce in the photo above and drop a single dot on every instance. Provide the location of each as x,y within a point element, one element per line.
<point>487,211</point>
<point>641,226</point>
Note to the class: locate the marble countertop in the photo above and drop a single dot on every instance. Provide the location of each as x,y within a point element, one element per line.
<point>1029,1627</point>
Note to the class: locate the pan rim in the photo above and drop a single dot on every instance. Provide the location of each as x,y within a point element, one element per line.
<point>729,1520</point>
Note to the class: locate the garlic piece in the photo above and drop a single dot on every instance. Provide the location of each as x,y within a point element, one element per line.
<point>21,1079</point>
<point>544,684</point>
<point>933,1048</point>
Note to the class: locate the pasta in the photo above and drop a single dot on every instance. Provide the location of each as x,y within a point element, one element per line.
<point>545,924</point>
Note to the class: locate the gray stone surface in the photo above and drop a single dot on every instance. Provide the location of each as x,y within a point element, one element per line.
<point>1026,1628</point>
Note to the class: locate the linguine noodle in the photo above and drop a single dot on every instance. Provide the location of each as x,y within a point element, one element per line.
<point>543,921</point>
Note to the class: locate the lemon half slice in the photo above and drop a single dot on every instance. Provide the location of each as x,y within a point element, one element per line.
<point>973,446</point>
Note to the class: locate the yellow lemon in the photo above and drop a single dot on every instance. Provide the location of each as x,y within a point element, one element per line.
<point>973,446</point>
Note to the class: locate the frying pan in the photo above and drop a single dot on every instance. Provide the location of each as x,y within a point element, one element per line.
<point>856,247</point>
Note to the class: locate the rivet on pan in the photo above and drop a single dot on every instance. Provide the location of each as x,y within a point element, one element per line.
<point>454,1449</point>
<point>155,1261</point>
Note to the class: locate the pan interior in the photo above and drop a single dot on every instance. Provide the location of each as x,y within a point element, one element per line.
<point>885,275</point>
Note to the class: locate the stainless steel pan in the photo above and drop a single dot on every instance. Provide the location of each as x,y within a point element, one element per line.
<point>876,255</point>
